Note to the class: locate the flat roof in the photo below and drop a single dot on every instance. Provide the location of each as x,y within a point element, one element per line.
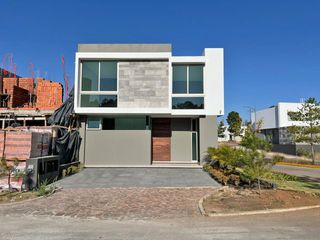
<point>124,47</point>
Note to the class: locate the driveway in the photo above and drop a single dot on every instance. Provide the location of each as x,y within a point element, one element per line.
<point>312,174</point>
<point>138,177</point>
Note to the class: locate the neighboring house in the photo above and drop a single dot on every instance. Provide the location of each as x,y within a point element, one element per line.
<point>275,122</point>
<point>229,136</point>
<point>139,105</point>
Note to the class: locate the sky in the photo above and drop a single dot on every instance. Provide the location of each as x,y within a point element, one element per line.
<point>272,47</point>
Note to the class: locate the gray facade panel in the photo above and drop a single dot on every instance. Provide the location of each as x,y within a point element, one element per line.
<point>117,147</point>
<point>181,147</point>
<point>124,47</point>
<point>143,84</point>
<point>208,135</point>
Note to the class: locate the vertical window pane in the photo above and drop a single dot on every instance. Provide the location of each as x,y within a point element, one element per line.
<point>194,146</point>
<point>179,79</point>
<point>108,76</point>
<point>196,79</point>
<point>93,122</point>
<point>90,75</point>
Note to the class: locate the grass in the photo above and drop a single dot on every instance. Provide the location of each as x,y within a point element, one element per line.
<point>6,197</point>
<point>288,182</point>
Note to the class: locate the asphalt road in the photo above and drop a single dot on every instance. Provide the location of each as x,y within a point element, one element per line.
<point>295,225</point>
<point>312,174</point>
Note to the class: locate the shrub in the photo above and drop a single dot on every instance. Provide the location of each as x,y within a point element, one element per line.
<point>277,158</point>
<point>303,153</point>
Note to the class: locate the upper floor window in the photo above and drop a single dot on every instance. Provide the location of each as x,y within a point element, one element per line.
<point>99,84</point>
<point>187,79</point>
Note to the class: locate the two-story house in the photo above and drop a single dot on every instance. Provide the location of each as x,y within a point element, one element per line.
<point>139,105</point>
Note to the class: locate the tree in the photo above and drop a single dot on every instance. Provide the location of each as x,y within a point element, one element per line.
<point>255,167</point>
<point>309,115</point>
<point>221,129</point>
<point>8,169</point>
<point>234,120</point>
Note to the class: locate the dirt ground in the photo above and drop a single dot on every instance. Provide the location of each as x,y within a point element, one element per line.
<point>6,197</point>
<point>231,200</point>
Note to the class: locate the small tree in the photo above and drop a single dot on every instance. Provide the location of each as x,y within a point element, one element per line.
<point>256,167</point>
<point>234,120</point>
<point>221,129</point>
<point>7,169</point>
<point>309,115</point>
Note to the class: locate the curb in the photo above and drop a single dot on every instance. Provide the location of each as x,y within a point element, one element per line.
<point>276,210</point>
<point>298,165</point>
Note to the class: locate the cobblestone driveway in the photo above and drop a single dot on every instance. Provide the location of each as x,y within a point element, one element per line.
<point>115,203</point>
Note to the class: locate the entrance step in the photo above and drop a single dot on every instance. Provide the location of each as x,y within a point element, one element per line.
<point>172,164</point>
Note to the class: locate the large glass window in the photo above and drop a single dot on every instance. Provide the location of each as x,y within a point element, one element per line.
<point>90,74</point>
<point>196,79</point>
<point>187,103</point>
<point>187,79</point>
<point>99,84</point>
<point>92,100</point>
<point>180,75</point>
<point>108,76</point>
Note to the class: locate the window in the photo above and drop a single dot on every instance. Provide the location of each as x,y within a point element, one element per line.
<point>187,79</point>
<point>194,146</point>
<point>180,75</point>
<point>91,100</point>
<point>90,76</point>
<point>125,123</point>
<point>99,84</point>
<point>93,122</point>
<point>187,103</point>
<point>196,79</point>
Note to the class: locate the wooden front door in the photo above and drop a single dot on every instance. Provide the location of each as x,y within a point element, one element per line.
<point>161,139</point>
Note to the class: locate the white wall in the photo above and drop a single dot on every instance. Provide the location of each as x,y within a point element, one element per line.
<point>268,117</point>
<point>284,108</point>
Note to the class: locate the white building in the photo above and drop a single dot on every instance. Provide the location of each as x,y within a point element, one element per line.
<point>275,121</point>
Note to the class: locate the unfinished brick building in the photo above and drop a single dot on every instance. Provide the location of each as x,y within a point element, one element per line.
<point>28,102</point>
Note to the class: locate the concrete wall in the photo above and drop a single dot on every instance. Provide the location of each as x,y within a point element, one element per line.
<point>122,147</point>
<point>268,117</point>
<point>208,135</point>
<point>82,131</point>
<point>143,84</point>
<point>181,146</point>
<point>124,47</point>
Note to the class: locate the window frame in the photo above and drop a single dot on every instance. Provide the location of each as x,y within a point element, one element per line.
<point>188,80</point>
<point>99,74</point>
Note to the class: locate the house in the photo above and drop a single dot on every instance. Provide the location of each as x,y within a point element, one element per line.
<point>274,126</point>
<point>228,136</point>
<point>139,105</point>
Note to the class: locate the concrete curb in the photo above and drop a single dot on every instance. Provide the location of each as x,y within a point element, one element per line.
<point>269,211</point>
<point>298,165</point>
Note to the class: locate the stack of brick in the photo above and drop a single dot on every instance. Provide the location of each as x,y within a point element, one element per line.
<point>22,145</point>
<point>49,94</point>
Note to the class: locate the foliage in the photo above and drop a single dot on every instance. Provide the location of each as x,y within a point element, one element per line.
<point>8,169</point>
<point>277,158</point>
<point>228,156</point>
<point>309,114</point>
<point>221,129</point>
<point>303,153</point>
<point>234,120</point>
<point>44,189</point>
<point>251,141</point>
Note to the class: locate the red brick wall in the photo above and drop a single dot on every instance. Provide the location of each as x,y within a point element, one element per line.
<point>8,84</point>
<point>20,97</point>
<point>49,94</point>
<point>26,83</point>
